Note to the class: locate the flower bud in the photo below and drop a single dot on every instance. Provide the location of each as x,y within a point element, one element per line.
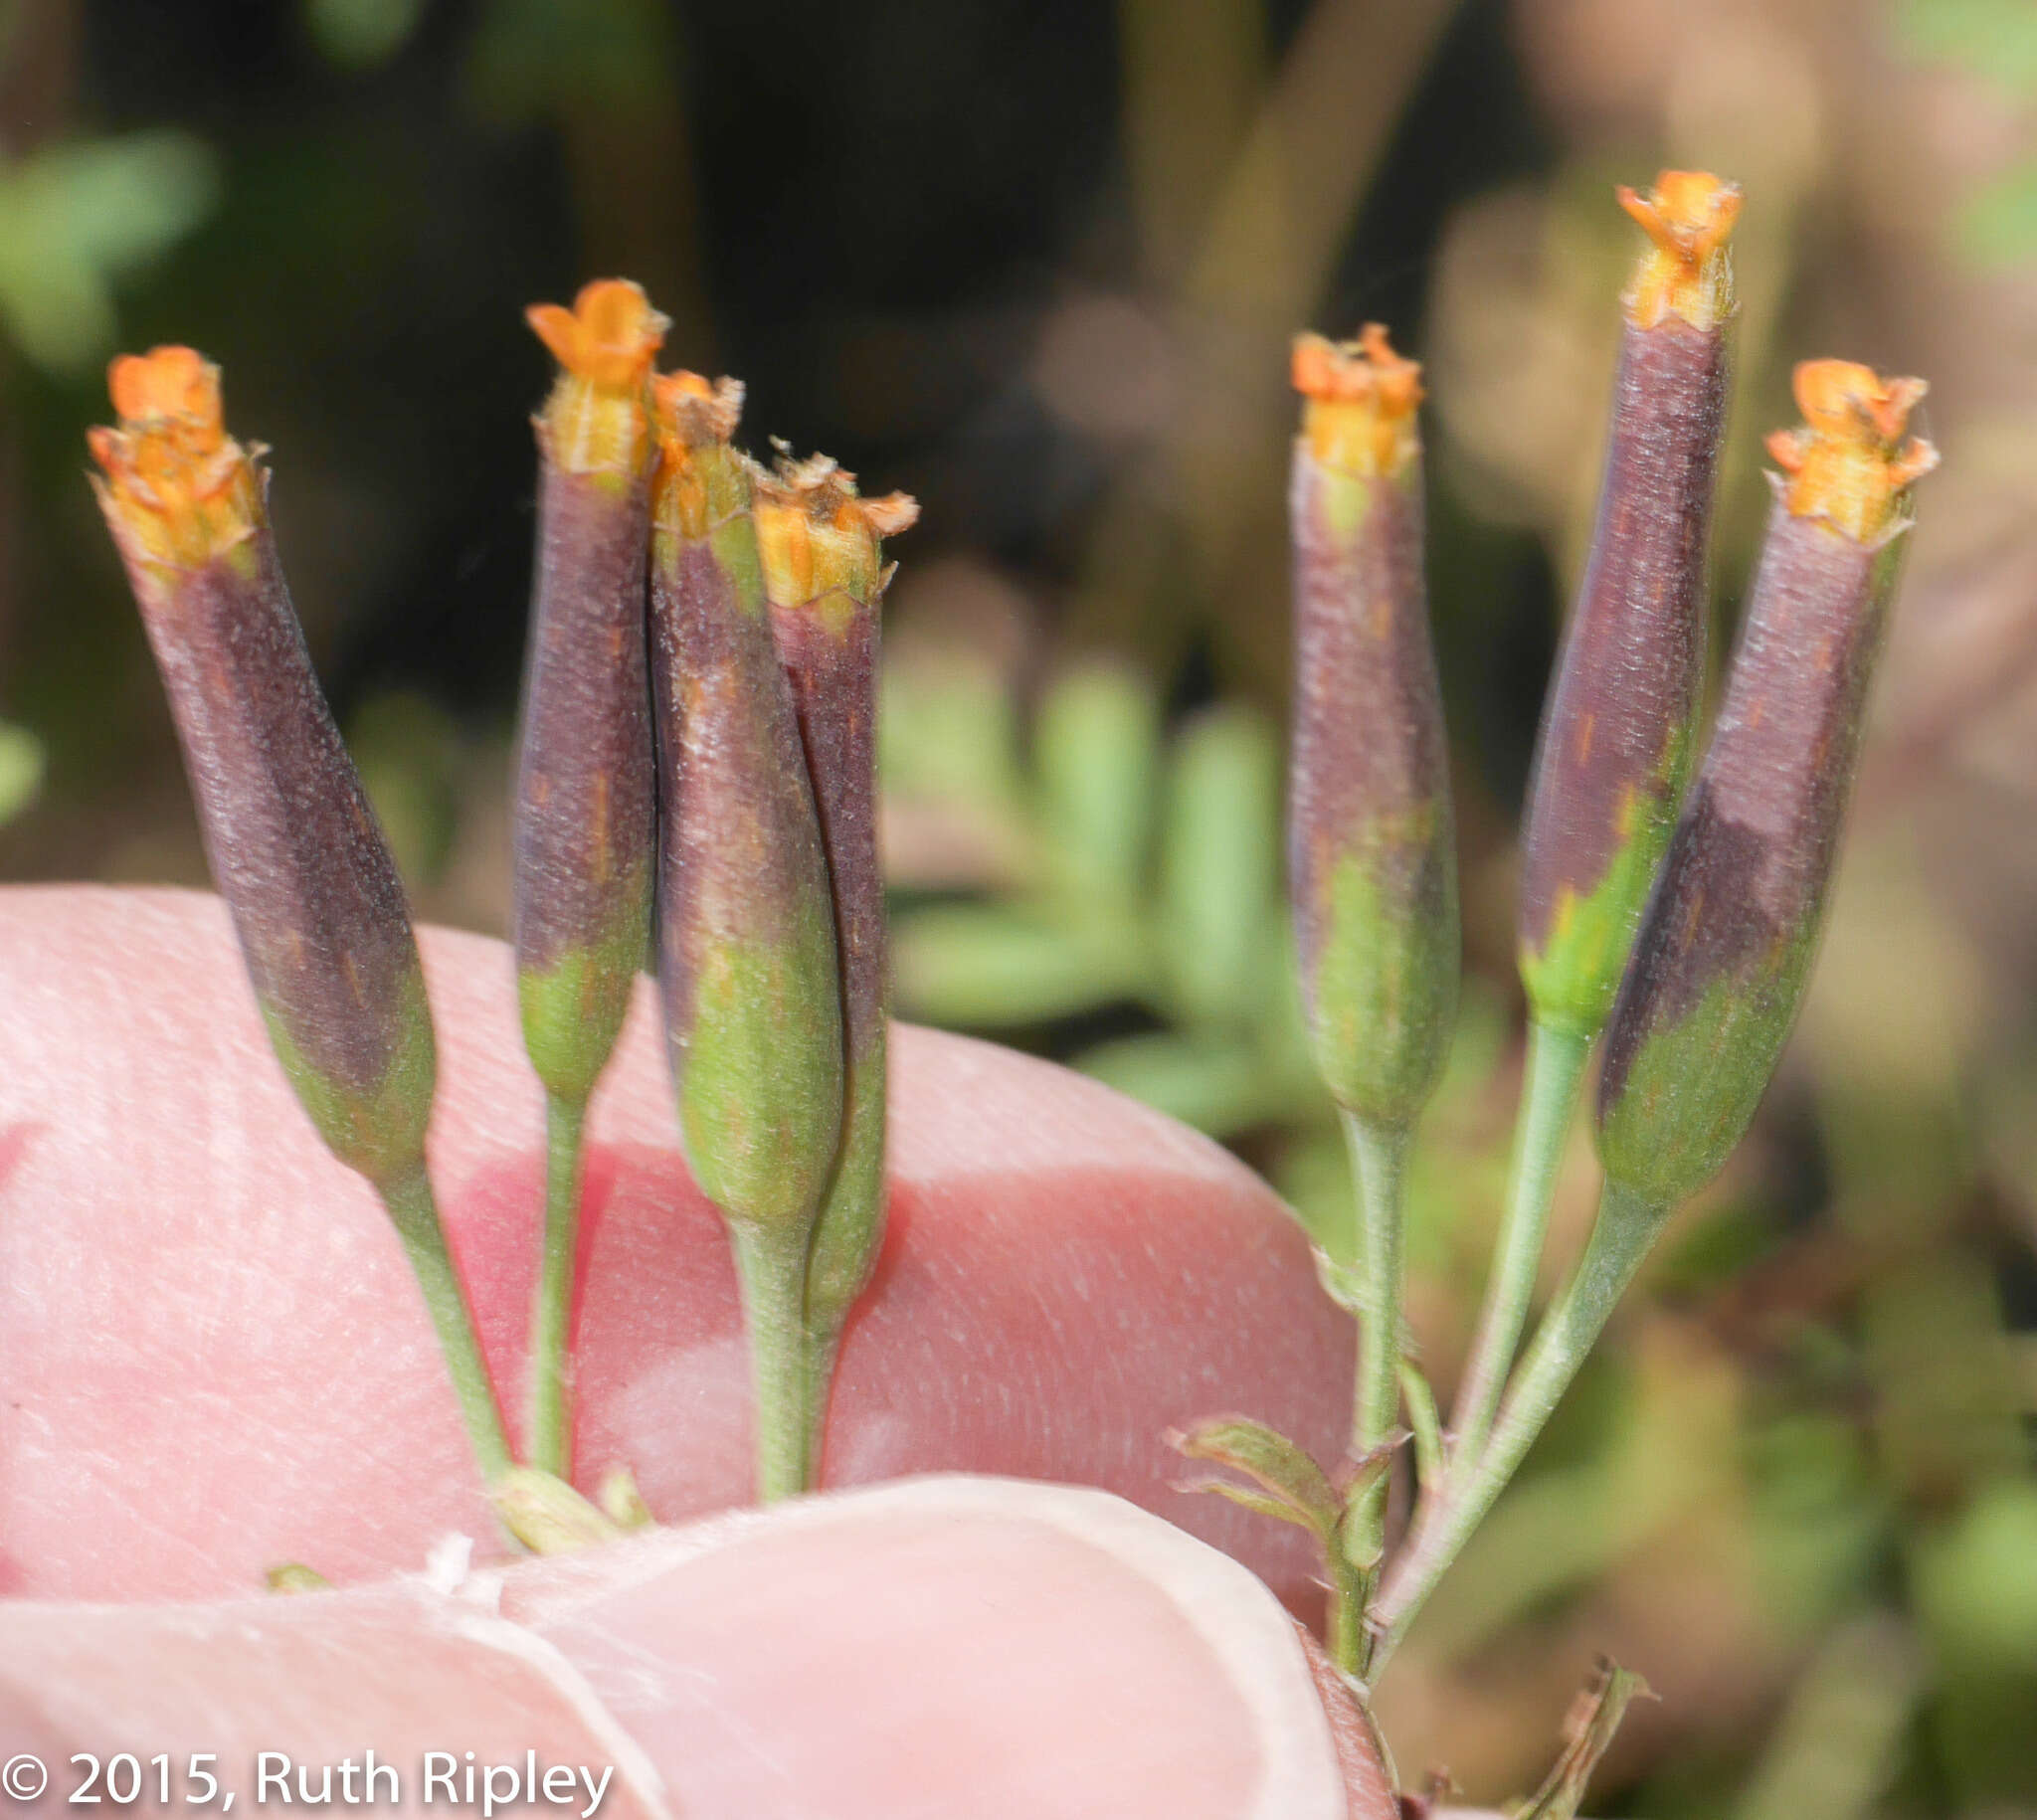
<point>293,844</point>
<point>1370,843</point>
<point>1616,737</point>
<point>584,824</point>
<point>1718,968</point>
<point>752,999</point>
<point>824,575</point>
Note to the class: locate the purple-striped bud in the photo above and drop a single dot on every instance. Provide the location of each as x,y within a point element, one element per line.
<point>746,923</point>
<point>1372,846</point>
<point>825,576</point>
<point>293,844</point>
<point>1718,968</point>
<point>1616,736</point>
<point>584,825</point>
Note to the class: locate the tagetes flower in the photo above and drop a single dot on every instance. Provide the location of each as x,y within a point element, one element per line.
<point>177,490</point>
<point>1720,966</point>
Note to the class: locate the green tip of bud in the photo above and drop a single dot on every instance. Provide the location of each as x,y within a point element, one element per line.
<point>293,1576</point>
<point>546,1515</point>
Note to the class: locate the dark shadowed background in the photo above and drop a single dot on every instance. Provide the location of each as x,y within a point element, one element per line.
<point>1037,262</point>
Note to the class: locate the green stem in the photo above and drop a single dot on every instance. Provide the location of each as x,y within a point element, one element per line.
<point>771,1268</point>
<point>551,1316</point>
<point>1379,1162</point>
<point>1548,1097</point>
<point>819,1357</point>
<point>415,1216</point>
<point>1344,1624</point>
<point>1626,1227</point>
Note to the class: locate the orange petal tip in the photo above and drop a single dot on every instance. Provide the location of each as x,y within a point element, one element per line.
<point>692,409</point>
<point>1851,464</point>
<point>178,489</point>
<point>609,337</point>
<point>1361,399</point>
<point>1687,271</point>
<point>819,537</point>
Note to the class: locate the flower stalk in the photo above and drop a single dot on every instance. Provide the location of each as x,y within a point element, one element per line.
<point>293,844</point>
<point>746,949</point>
<point>583,823</point>
<point>824,579</point>
<point>1371,838</point>
<point>1718,971</point>
<point>1616,738</point>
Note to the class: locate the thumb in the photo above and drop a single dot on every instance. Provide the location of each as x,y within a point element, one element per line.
<point>213,1358</point>
<point>937,1646</point>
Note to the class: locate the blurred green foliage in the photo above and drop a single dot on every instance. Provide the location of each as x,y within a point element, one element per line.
<point>77,217</point>
<point>1997,42</point>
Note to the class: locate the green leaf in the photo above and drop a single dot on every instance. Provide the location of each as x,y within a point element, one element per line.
<point>1220,1087</point>
<point>21,770</point>
<point>1997,224</point>
<point>1096,746</point>
<point>1355,1521</point>
<point>1291,1485</point>
<point>948,732</point>
<point>1220,867</point>
<point>989,967</point>
<point>1420,1403</point>
<point>74,217</point>
<point>1588,1733</point>
<point>362,34</point>
<point>1993,39</point>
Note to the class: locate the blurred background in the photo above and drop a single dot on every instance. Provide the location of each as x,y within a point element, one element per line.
<point>1037,262</point>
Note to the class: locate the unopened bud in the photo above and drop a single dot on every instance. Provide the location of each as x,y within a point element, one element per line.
<point>1718,968</point>
<point>1616,737</point>
<point>1370,840</point>
<point>293,844</point>
<point>584,826</point>
<point>753,1015</point>
<point>825,576</point>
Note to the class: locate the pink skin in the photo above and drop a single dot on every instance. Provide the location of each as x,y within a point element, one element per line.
<point>212,1360</point>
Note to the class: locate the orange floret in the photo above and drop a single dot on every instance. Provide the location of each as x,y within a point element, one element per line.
<point>594,420</point>
<point>609,337</point>
<point>820,539</point>
<point>178,490</point>
<point>1687,272</point>
<point>699,481</point>
<point>1850,463</point>
<point>1360,414</point>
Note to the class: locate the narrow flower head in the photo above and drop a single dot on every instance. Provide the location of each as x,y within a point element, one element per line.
<point>1688,217</point>
<point>178,490</point>
<point>1718,968</point>
<point>595,420</point>
<point>293,844</point>
<point>1371,847</point>
<point>702,479</point>
<point>820,539</point>
<point>746,927</point>
<point>1850,463</point>
<point>1617,731</point>
<point>1358,402</point>
<point>584,826</point>
<point>825,576</point>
